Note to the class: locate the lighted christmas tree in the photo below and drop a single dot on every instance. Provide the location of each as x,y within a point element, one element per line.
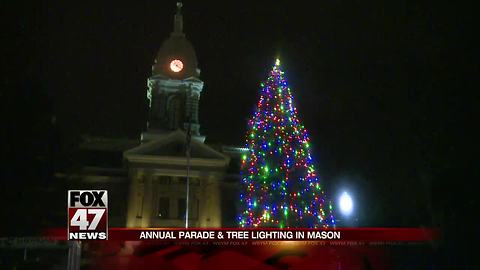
<point>280,186</point>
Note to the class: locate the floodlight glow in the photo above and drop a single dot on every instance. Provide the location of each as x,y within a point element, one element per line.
<point>346,204</point>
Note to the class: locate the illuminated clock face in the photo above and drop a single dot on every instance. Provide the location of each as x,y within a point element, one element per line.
<point>176,65</point>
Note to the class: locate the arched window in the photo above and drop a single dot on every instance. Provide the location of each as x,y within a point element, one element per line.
<point>175,111</point>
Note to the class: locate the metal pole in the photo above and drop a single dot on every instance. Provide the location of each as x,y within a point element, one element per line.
<point>189,137</point>
<point>188,180</point>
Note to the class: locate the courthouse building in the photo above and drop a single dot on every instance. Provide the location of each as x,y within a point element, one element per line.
<point>147,178</point>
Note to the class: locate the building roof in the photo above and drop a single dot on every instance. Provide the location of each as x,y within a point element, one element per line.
<point>170,149</point>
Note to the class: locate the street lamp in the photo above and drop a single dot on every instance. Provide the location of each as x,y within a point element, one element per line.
<point>346,204</point>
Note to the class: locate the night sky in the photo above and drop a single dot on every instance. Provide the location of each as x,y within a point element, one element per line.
<point>373,82</point>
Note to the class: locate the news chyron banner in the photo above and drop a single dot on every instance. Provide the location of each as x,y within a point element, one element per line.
<point>87,215</point>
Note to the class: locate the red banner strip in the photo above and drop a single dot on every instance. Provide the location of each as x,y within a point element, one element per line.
<point>264,234</point>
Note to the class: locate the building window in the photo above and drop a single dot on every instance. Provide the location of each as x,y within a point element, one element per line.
<point>193,181</point>
<point>139,204</point>
<point>193,210</point>
<point>163,207</point>
<point>164,180</point>
<point>181,208</point>
<point>175,111</point>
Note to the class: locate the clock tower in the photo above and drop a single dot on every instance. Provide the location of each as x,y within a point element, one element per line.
<point>174,88</point>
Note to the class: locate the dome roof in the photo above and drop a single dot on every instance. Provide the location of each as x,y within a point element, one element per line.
<point>176,47</point>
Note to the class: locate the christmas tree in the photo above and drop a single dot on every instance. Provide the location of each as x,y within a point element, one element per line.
<point>280,186</point>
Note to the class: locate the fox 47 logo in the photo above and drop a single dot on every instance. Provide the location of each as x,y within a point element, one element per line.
<point>87,215</point>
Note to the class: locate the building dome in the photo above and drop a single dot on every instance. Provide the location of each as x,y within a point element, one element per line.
<point>176,47</point>
<point>176,57</point>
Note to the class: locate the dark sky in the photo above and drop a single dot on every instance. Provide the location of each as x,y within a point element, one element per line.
<point>372,80</point>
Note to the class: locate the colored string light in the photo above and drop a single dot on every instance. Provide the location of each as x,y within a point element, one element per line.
<point>280,187</point>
